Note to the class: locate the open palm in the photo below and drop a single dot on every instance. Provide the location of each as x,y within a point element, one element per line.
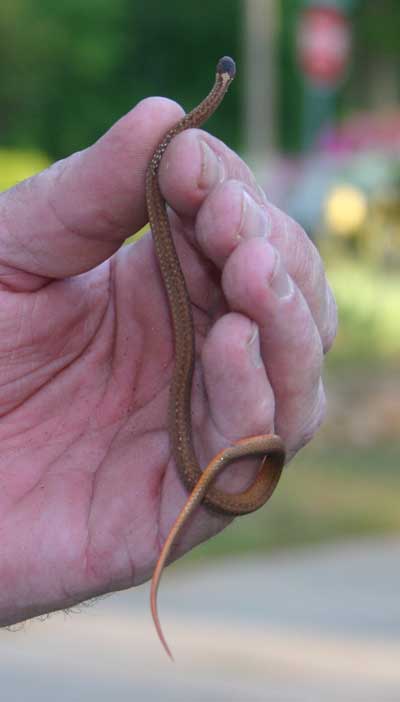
<point>88,486</point>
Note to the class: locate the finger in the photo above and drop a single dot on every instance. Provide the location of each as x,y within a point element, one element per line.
<point>305,266</point>
<point>196,172</point>
<point>193,164</point>
<point>229,215</point>
<point>74,215</point>
<point>257,284</point>
<point>240,401</point>
<point>232,212</point>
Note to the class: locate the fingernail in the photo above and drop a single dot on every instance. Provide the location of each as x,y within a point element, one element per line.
<point>281,283</point>
<point>253,219</point>
<point>254,347</point>
<point>212,168</point>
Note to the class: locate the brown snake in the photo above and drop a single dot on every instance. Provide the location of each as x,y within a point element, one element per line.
<point>269,446</point>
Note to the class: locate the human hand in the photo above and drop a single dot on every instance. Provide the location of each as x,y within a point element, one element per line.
<point>89,489</point>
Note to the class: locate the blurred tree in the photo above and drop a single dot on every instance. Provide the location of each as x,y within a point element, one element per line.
<point>290,95</point>
<point>376,68</point>
<point>56,60</point>
<point>70,69</point>
<point>174,51</point>
<point>378,25</point>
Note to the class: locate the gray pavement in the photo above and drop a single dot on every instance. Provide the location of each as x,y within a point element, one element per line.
<point>317,625</point>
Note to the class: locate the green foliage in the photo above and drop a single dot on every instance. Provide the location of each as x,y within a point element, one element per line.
<point>369,322</point>
<point>376,26</point>
<point>175,51</point>
<point>58,58</point>
<point>70,69</point>
<point>291,94</point>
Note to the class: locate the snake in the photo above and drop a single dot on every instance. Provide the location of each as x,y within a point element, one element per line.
<point>269,447</point>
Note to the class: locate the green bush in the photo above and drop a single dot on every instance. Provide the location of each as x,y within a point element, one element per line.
<point>369,312</point>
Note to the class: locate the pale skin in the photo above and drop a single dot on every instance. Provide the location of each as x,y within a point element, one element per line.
<point>88,486</point>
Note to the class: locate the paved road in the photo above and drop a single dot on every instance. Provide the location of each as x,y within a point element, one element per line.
<point>320,624</point>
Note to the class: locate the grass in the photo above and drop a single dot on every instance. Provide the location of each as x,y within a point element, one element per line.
<point>369,313</point>
<point>327,493</point>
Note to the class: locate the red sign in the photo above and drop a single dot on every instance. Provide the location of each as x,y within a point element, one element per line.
<point>323,44</point>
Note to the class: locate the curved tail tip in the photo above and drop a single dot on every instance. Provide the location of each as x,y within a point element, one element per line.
<point>164,642</point>
<point>154,612</point>
<point>227,65</point>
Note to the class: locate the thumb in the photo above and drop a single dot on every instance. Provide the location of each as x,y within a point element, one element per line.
<point>74,215</point>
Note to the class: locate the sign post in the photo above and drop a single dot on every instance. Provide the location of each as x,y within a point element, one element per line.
<point>323,47</point>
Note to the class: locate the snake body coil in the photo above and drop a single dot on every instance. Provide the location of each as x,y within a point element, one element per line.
<point>268,446</point>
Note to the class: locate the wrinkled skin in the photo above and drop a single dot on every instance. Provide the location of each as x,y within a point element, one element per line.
<point>88,485</point>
